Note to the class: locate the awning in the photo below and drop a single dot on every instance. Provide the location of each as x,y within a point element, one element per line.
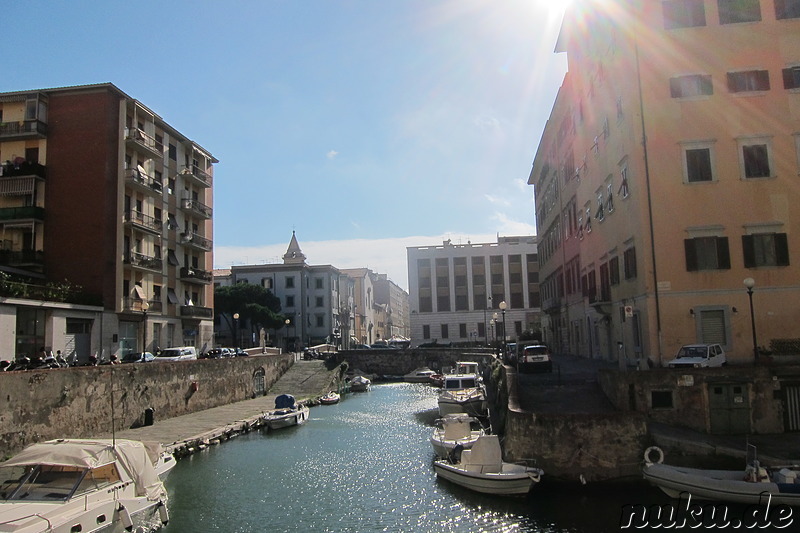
<point>172,297</point>
<point>139,292</point>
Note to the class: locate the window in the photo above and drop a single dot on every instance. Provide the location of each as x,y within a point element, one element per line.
<point>290,301</point>
<point>613,270</point>
<point>765,249</point>
<point>707,253</point>
<point>755,157</point>
<point>748,80</point>
<point>661,399</point>
<point>697,165</point>
<point>733,11</point>
<point>629,260</point>
<point>624,190</point>
<point>481,329</point>
<point>173,152</point>
<point>787,9</point>
<point>600,215</point>
<point>426,332</point>
<point>319,283</point>
<point>683,14</point>
<point>290,282</point>
<point>462,331</point>
<point>791,76</point>
<point>320,302</point>
<point>712,326</point>
<point>320,321</point>
<point>610,195</point>
<point>266,283</point>
<point>445,333</point>
<point>691,85</point>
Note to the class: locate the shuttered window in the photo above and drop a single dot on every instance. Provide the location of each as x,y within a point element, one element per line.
<point>712,327</point>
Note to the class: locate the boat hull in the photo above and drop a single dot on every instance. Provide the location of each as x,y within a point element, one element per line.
<point>284,418</point>
<point>452,402</point>
<point>719,485</point>
<point>514,480</point>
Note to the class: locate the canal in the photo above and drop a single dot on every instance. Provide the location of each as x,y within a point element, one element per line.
<point>365,465</point>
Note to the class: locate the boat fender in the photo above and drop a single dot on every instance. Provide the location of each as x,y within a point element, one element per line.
<point>125,518</point>
<point>163,513</point>
<point>535,476</point>
<point>648,455</point>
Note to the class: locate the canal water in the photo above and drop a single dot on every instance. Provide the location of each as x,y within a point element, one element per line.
<point>365,465</point>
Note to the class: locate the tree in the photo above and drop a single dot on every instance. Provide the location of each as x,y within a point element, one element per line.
<point>255,305</point>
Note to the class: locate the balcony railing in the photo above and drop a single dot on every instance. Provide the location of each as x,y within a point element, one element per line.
<point>22,258</point>
<point>21,213</point>
<point>137,305</point>
<point>196,275</point>
<point>195,173</point>
<point>196,241</point>
<point>145,222</point>
<point>24,168</point>
<point>29,129</point>
<point>138,260</point>
<point>144,143</point>
<point>196,207</point>
<point>195,311</point>
<point>551,304</point>
<point>143,181</point>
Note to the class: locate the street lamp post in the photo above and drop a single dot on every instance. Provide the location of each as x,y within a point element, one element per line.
<point>145,307</point>
<point>287,322</point>
<point>485,329</point>
<point>502,307</point>
<point>496,330</point>
<point>750,283</point>
<point>235,329</point>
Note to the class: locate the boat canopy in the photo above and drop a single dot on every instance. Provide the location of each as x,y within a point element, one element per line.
<point>131,455</point>
<point>284,401</point>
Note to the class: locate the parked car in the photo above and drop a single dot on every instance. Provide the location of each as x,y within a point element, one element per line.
<point>535,358</point>
<point>138,357</point>
<point>213,353</point>
<point>238,352</point>
<point>699,355</point>
<point>182,353</point>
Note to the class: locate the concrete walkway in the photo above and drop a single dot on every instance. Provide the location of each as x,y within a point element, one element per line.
<point>305,380</point>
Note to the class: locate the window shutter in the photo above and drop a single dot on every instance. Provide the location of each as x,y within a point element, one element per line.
<point>788,78</point>
<point>781,249</point>
<point>691,255</point>
<point>748,251</point>
<point>706,85</point>
<point>763,80</point>
<point>675,87</point>
<point>732,85</point>
<point>723,253</point>
<point>712,326</point>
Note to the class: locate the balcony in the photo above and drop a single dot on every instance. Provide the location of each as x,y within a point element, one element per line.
<point>28,259</point>
<point>28,129</point>
<point>143,222</point>
<point>22,169</point>
<point>143,143</point>
<point>144,262</point>
<point>136,305</point>
<point>195,241</point>
<point>195,311</point>
<point>196,208</point>
<point>21,213</point>
<point>551,304</point>
<point>195,275</point>
<point>199,177</point>
<point>143,182</point>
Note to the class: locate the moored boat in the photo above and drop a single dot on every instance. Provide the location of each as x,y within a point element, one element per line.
<point>82,485</point>
<point>461,393</point>
<point>359,384</point>
<point>286,413</point>
<point>753,485</point>
<point>330,398</point>
<point>482,469</point>
<point>454,430</point>
<point>419,375</point>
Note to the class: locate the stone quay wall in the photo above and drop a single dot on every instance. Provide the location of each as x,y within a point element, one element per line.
<point>567,446</point>
<point>397,363</point>
<point>682,397</point>
<point>37,405</point>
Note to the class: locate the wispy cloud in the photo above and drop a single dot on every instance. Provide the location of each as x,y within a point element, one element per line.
<point>496,200</point>
<point>332,154</point>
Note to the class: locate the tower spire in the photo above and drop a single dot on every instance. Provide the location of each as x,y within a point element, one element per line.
<point>294,255</point>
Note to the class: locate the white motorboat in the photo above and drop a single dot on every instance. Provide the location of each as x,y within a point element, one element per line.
<point>286,413</point>
<point>482,469</point>
<point>753,485</point>
<point>330,398</point>
<point>420,375</point>
<point>163,461</point>
<point>462,393</point>
<point>454,430</point>
<point>359,384</point>
<point>82,485</point>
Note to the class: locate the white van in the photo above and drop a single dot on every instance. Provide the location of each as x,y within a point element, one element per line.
<point>181,353</point>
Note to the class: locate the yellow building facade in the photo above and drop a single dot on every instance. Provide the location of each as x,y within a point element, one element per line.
<point>665,178</point>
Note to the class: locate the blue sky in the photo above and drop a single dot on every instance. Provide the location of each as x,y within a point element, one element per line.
<point>364,126</point>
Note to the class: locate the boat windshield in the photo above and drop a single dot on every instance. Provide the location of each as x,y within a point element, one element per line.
<point>455,384</point>
<point>52,482</point>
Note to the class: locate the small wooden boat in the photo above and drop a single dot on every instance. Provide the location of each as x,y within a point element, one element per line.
<point>454,430</point>
<point>359,384</point>
<point>330,398</point>
<point>482,469</point>
<point>753,485</point>
<point>286,413</point>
